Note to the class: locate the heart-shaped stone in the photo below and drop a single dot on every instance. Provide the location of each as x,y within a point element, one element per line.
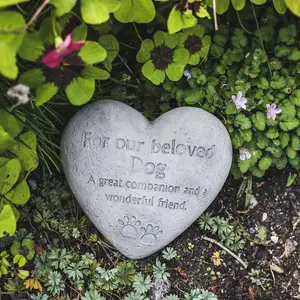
<point>142,183</point>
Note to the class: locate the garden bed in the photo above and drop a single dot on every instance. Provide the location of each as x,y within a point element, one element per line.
<point>271,249</point>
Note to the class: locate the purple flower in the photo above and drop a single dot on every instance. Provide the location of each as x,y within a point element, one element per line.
<point>272,111</point>
<point>187,74</point>
<point>244,153</point>
<point>239,101</point>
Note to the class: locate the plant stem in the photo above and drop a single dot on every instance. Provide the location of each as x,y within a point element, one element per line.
<point>244,264</point>
<point>127,45</point>
<point>260,39</point>
<point>124,83</point>
<point>240,21</point>
<point>137,32</point>
<point>215,14</point>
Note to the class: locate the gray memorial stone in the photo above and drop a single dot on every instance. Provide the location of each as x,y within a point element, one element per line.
<point>143,183</point>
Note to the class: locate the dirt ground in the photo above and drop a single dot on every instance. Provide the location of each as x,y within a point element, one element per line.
<point>278,209</point>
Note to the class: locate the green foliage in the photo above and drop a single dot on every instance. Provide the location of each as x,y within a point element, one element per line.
<point>230,233</point>
<point>13,186</point>
<point>243,66</point>
<point>200,295</point>
<point>159,271</point>
<point>163,56</point>
<point>169,253</point>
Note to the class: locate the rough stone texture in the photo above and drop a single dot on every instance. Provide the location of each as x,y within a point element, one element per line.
<point>143,183</point>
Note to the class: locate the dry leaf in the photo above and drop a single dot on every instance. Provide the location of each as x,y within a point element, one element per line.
<point>251,293</point>
<point>33,283</point>
<point>276,268</point>
<point>181,273</point>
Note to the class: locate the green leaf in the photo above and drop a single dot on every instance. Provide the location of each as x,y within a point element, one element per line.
<point>20,194</point>
<point>14,249</point>
<point>80,90</point>
<point>63,6</point>
<point>294,6</point>
<point>92,53</point>
<point>281,163</point>
<point>7,221</point>
<point>262,233</point>
<point>32,46</point>
<point>94,73</point>
<point>284,139</point>
<point>262,141</point>
<point>295,97</point>
<point>238,4</point>
<point>291,179</point>
<point>178,20</point>
<point>46,31</point>
<point>289,125</point>
<point>10,123</point>
<point>111,45</point>
<point>259,121</point>
<point>243,122</point>
<point>32,78</point>
<point>3,161</point>
<point>272,133</point>
<point>97,11</point>
<point>280,6</point>
<point>265,163</point>
<point>258,2</point>
<point>231,109</point>
<point>295,161</point>
<point>244,165</point>
<point>10,42</point>
<point>6,141</point>
<point>4,3</point>
<point>296,143</point>
<point>80,33</point>
<point>45,92</point>
<point>23,274</point>
<point>290,152</point>
<point>139,11</point>
<point>9,174</point>
<point>156,76</point>
<point>20,260</point>
<point>221,5</point>
<point>25,150</point>
<point>144,53</point>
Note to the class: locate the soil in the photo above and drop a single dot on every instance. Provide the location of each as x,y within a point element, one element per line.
<point>278,209</point>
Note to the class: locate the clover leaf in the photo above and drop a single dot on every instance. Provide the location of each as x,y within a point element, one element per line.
<point>162,57</point>
<point>194,40</point>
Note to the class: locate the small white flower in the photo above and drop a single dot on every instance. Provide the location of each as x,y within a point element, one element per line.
<point>19,92</point>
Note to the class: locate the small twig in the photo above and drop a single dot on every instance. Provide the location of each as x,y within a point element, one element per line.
<point>215,14</point>
<point>244,264</point>
<point>123,83</point>
<point>36,14</point>
<point>32,19</point>
<point>137,32</point>
<point>126,65</point>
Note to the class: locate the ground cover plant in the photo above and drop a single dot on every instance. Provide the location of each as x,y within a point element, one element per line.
<point>239,60</point>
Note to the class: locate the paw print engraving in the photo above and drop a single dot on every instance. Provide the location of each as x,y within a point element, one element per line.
<point>150,235</point>
<point>129,226</point>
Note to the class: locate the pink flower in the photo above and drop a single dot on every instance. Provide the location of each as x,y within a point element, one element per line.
<point>272,111</point>
<point>239,101</point>
<point>53,58</point>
